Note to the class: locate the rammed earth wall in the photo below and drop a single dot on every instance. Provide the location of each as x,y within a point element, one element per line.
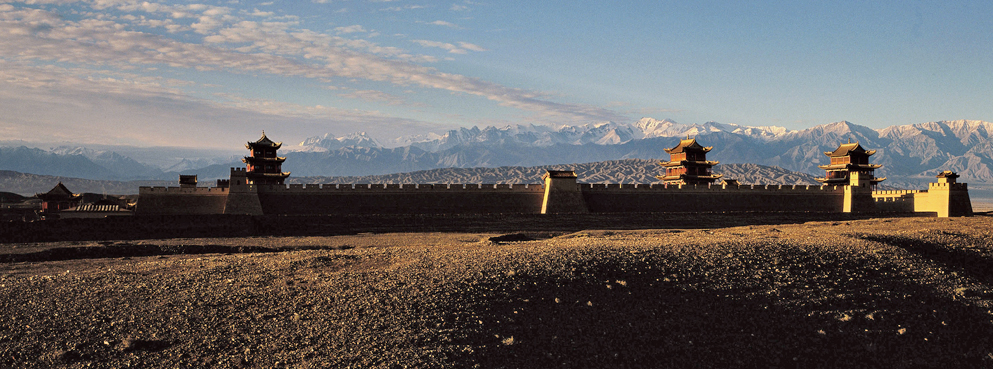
<point>940,199</point>
<point>896,201</point>
<point>608,198</point>
<point>181,201</point>
<point>401,199</point>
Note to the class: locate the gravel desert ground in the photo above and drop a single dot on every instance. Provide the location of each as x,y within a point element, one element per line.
<point>886,292</point>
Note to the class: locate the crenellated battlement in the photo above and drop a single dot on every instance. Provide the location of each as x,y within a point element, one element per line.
<point>596,187</point>
<point>900,201</point>
<point>895,193</point>
<point>158,190</point>
<point>907,196</point>
<point>397,188</point>
<point>947,186</point>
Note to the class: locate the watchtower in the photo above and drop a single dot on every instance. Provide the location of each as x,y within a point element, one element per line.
<point>947,197</point>
<point>688,164</point>
<point>262,166</point>
<point>850,167</point>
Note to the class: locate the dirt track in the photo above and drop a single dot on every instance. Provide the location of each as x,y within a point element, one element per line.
<point>908,292</point>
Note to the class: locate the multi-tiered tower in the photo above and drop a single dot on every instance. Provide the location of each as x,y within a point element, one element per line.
<point>262,166</point>
<point>850,167</point>
<point>688,164</point>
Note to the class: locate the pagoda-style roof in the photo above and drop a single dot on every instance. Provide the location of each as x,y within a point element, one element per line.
<point>849,149</point>
<point>688,144</point>
<point>850,166</point>
<point>264,142</point>
<point>59,192</point>
<point>845,180</point>
<point>691,177</point>
<point>255,159</point>
<point>707,163</point>
<point>947,174</point>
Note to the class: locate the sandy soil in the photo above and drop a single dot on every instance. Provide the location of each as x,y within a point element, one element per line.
<point>894,293</point>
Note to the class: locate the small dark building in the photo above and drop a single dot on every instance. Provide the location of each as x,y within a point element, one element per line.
<point>187,180</point>
<point>688,164</point>
<point>57,199</point>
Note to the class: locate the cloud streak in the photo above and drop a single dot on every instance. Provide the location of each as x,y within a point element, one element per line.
<point>213,38</point>
<point>47,103</point>
<point>462,48</point>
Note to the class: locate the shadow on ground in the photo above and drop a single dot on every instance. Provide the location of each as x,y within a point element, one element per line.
<point>115,250</point>
<point>153,227</point>
<point>957,259</point>
<point>620,317</point>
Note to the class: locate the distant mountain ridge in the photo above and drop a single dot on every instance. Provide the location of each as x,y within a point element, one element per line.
<point>910,154</point>
<point>611,171</point>
<point>81,162</point>
<point>31,184</point>
<point>605,133</point>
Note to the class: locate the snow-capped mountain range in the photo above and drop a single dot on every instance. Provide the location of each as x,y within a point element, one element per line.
<point>910,154</point>
<point>907,152</point>
<point>605,133</point>
<point>330,142</point>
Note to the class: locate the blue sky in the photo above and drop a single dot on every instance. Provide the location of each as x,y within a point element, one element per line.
<point>214,73</point>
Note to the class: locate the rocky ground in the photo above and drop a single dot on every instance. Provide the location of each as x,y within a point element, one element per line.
<point>893,293</point>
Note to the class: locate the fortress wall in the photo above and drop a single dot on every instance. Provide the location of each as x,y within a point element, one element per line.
<point>689,198</point>
<point>298,199</point>
<point>176,200</point>
<point>929,202</point>
<point>401,199</point>
<point>901,201</point>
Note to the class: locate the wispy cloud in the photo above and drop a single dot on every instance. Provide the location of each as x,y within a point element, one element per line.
<point>449,47</point>
<point>402,8</point>
<point>259,13</point>
<point>377,96</point>
<point>445,24</point>
<point>48,103</point>
<point>463,6</point>
<point>350,29</point>
<point>473,47</point>
<point>228,41</point>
